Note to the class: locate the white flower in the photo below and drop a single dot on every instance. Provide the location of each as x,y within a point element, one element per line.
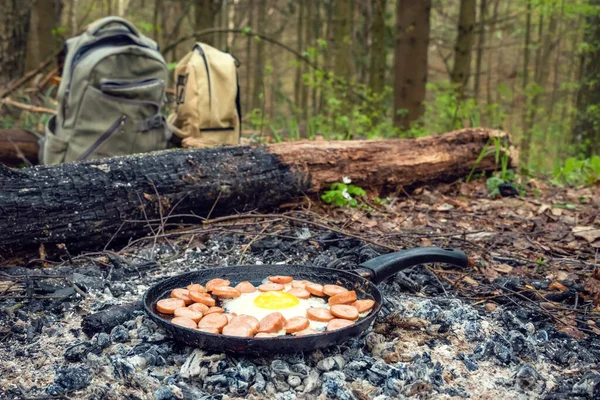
<point>346,180</point>
<point>346,194</point>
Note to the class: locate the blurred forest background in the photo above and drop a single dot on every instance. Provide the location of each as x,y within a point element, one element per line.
<point>345,69</point>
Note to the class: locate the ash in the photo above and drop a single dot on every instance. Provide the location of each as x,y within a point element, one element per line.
<point>426,342</point>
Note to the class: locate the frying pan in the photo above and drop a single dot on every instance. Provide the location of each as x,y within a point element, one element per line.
<point>363,280</point>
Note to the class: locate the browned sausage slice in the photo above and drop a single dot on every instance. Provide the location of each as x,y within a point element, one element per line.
<point>245,287</point>
<point>338,324</point>
<point>272,323</point>
<point>214,310</point>
<point>308,331</point>
<point>240,330</point>
<point>226,292</point>
<point>281,279</point>
<point>344,311</point>
<point>296,324</point>
<point>319,314</point>
<point>342,298</point>
<point>315,289</point>
<point>196,287</point>
<point>270,287</point>
<point>168,306</point>
<point>198,307</point>
<point>299,284</point>
<point>203,298</point>
<point>217,321</point>
<point>248,320</point>
<point>188,313</point>
<point>299,293</point>
<point>265,335</point>
<point>332,290</point>
<point>213,283</point>
<point>182,294</point>
<point>185,322</point>
<point>209,330</point>
<point>363,305</point>
<point>229,317</point>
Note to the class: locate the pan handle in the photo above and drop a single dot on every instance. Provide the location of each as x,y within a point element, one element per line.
<point>384,266</point>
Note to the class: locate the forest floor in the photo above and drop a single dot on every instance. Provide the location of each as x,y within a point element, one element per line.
<point>522,322</point>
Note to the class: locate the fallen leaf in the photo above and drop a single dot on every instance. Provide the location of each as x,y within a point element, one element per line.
<point>543,208</point>
<point>558,286</point>
<point>470,281</point>
<point>588,233</point>
<point>148,197</point>
<point>573,332</point>
<point>504,268</point>
<point>592,285</point>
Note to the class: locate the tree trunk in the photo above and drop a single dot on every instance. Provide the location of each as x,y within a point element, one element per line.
<point>309,21</point>
<point>378,52</point>
<point>45,18</point>
<point>299,47</point>
<point>249,94</point>
<point>526,133</point>
<point>15,17</point>
<point>155,18</point>
<point>15,145</point>
<point>480,44</point>
<point>412,37</point>
<point>206,12</point>
<point>461,69</point>
<point>586,132</point>
<point>117,198</point>
<point>342,39</point>
<point>259,65</point>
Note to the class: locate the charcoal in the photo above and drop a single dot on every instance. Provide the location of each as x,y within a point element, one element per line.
<point>281,384</point>
<point>164,393</point>
<point>509,282</point>
<point>333,386</point>
<point>588,385</point>
<point>311,382</point>
<point>522,347</point>
<point>69,379</point>
<point>86,282</point>
<point>122,369</point>
<point>469,363</point>
<point>294,381</point>
<point>280,367</point>
<point>105,321</point>
<point>528,379</point>
<point>259,383</point>
<point>102,340</point>
<point>331,363</point>
<point>119,334</point>
<point>300,370</point>
<point>238,387</point>
<point>77,352</point>
<point>247,372</point>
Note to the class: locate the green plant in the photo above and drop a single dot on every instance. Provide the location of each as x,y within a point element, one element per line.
<point>576,172</point>
<point>343,194</point>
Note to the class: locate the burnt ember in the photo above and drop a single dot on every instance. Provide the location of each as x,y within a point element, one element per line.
<point>78,330</point>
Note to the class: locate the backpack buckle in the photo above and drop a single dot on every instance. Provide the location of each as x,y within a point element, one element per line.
<point>155,122</point>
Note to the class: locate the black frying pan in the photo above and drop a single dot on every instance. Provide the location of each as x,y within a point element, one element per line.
<point>363,280</point>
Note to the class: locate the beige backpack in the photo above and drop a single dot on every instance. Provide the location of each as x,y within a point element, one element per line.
<point>208,109</point>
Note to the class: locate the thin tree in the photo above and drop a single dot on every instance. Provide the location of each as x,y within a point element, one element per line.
<point>526,135</point>
<point>410,60</point>
<point>480,44</point>
<point>343,38</point>
<point>299,47</point>
<point>14,29</point>
<point>259,64</point>
<point>377,65</point>
<point>206,12</point>
<point>461,69</point>
<point>42,42</point>
<point>249,97</point>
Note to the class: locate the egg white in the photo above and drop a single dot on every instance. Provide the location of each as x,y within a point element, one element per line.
<point>244,305</point>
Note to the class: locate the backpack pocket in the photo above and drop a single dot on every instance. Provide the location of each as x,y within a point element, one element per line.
<point>53,149</point>
<point>148,89</point>
<point>109,125</point>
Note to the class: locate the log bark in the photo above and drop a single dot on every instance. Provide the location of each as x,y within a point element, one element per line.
<point>88,204</point>
<point>105,320</point>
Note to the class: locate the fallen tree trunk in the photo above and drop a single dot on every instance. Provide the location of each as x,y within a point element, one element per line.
<point>86,205</point>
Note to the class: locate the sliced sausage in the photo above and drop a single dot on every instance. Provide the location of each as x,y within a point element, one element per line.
<point>203,298</point>
<point>188,313</point>
<point>337,324</point>
<point>342,298</point>
<point>245,287</point>
<point>363,305</point>
<point>226,292</point>
<point>296,324</point>
<point>185,322</point>
<point>281,279</point>
<point>217,321</point>
<point>319,314</point>
<point>344,311</point>
<point>299,293</point>
<point>196,287</point>
<point>315,289</point>
<point>308,331</point>
<point>209,330</point>
<point>272,323</point>
<point>214,310</point>
<point>182,294</point>
<point>332,290</point>
<point>198,307</point>
<point>240,330</point>
<point>299,284</point>
<point>265,335</point>
<point>248,320</point>
<point>168,306</point>
<point>271,287</point>
<point>229,317</point>
<point>213,283</point>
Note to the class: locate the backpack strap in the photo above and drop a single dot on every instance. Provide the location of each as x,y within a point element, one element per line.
<point>94,28</point>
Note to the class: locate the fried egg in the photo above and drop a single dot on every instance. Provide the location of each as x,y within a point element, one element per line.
<point>260,304</point>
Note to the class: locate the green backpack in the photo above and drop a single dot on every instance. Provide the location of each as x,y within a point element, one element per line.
<point>111,96</point>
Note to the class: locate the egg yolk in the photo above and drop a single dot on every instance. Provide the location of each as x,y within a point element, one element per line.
<point>276,300</point>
